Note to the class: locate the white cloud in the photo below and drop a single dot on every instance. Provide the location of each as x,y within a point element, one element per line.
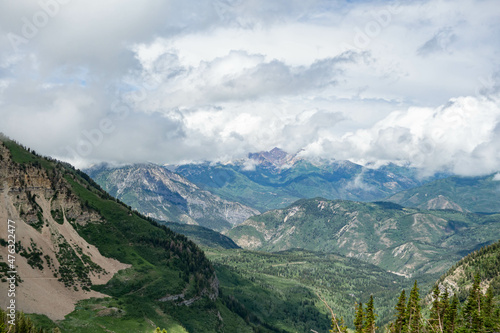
<point>460,137</point>
<point>193,80</point>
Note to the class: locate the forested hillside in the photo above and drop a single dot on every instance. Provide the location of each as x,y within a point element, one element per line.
<point>61,215</point>
<point>408,241</point>
<point>473,194</point>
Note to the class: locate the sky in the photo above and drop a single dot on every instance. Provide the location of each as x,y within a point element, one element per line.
<point>410,82</point>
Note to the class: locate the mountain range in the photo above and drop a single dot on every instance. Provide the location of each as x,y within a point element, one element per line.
<point>472,194</point>
<point>407,241</point>
<point>82,254</point>
<point>275,179</point>
<point>114,269</point>
<point>167,196</point>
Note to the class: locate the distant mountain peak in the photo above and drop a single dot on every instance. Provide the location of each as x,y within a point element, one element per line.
<point>276,157</point>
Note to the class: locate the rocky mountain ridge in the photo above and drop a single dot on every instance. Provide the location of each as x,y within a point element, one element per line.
<point>52,258</point>
<point>164,195</point>
<point>473,194</point>
<point>402,240</point>
<point>275,179</point>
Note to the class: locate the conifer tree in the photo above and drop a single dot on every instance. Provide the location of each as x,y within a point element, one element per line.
<point>413,311</point>
<point>400,321</point>
<point>359,319</point>
<point>370,325</point>
<point>338,326</point>
<point>490,319</point>
<point>436,315</point>
<point>445,303</point>
<point>472,310</point>
<point>450,316</point>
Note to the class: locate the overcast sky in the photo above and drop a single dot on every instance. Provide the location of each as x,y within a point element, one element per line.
<point>175,81</point>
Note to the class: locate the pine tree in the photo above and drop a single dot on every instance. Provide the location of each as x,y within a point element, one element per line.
<point>338,326</point>
<point>370,325</point>
<point>472,311</point>
<point>413,311</point>
<point>399,323</point>
<point>158,330</point>
<point>450,316</point>
<point>436,319</point>
<point>445,303</point>
<point>489,317</point>
<point>359,319</point>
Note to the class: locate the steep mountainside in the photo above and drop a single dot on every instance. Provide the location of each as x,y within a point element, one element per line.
<point>283,287</point>
<point>165,195</point>
<point>74,241</point>
<point>203,236</point>
<point>403,240</point>
<point>474,194</point>
<point>275,179</point>
<point>485,262</point>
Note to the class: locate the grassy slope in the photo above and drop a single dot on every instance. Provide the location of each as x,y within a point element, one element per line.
<point>163,263</point>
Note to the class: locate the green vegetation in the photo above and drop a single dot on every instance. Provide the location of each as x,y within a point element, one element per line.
<point>33,255</point>
<point>268,187</point>
<point>202,236</point>
<point>18,323</point>
<point>475,194</point>
<point>57,215</point>
<point>171,284</point>
<point>485,262</point>
<point>405,240</point>
<point>282,287</point>
<point>162,264</point>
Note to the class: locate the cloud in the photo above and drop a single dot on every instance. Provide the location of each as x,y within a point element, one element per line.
<point>237,76</point>
<point>459,137</point>
<point>194,80</point>
<point>441,42</point>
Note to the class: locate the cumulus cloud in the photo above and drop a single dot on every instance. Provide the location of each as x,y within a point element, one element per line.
<point>459,137</point>
<point>173,81</point>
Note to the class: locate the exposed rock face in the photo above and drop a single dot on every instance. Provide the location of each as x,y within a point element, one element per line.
<point>275,158</point>
<point>403,240</point>
<point>49,249</point>
<point>164,195</point>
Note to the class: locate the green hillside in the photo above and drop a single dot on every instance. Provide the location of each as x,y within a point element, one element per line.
<point>202,236</point>
<point>474,194</point>
<point>281,288</point>
<point>404,240</point>
<point>485,262</point>
<point>162,262</point>
<point>268,187</point>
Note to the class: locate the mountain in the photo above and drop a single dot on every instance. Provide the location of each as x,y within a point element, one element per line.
<point>275,179</point>
<point>485,262</point>
<point>91,264</point>
<point>164,195</point>
<point>473,194</point>
<point>282,288</point>
<point>403,240</point>
<point>202,236</point>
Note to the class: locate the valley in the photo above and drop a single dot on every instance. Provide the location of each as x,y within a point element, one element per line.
<point>160,250</point>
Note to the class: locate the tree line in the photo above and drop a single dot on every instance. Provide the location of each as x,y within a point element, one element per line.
<point>478,314</point>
